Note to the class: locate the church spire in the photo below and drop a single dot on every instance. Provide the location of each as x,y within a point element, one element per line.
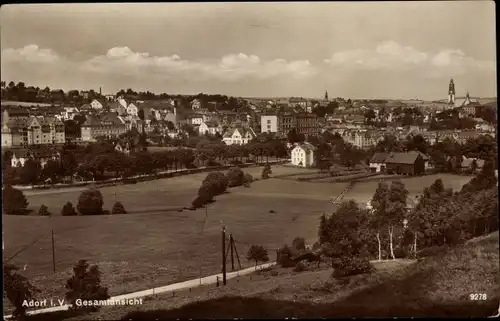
<point>451,92</point>
<point>326,95</point>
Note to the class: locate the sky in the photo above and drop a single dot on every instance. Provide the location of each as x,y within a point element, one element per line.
<point>399,50</point>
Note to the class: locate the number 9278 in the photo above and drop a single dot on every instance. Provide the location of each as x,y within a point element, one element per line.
<point>478,296</point>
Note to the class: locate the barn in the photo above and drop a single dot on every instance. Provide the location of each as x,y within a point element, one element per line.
<point>405,164</point>
<point>377,162</point>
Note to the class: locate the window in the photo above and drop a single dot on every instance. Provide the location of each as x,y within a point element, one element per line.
<point>268,121</point>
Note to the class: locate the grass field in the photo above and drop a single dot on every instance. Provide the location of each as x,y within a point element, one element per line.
<point>158,247</point>
<point>364,191</point>
<point>437,286</point>
<point>136,251</point>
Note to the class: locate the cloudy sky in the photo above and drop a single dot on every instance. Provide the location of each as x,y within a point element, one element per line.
<point>356,50</point>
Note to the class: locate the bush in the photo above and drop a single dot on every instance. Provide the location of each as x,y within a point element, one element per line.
<point>118,209</point>
<point>235,162</point>
<point>257,253</point>
<point>219,182</point>
<point>235,176</point>
<point>90,202</point>
<point>248,178</point>
<point>348,266</point>
<point>299,244</point>
<point>68,210</point>
<point>266,171</point>
<point>85,284</point>
<point>198,202</point>
<point>300,267</point>
<point>14,201</point>
<point>44,211</point>
<point>285,257</point>
<point>17,289</point>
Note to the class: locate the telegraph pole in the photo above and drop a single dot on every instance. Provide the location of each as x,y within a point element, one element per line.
<point>231,244</point>
<point>223,255</point>
<point>53,254</point>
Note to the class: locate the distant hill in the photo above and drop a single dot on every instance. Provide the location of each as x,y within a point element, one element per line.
<point>23,104</point>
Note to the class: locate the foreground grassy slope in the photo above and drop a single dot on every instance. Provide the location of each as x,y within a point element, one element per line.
<point>435,286</point>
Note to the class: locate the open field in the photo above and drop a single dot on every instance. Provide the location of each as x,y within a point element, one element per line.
<point>136,251</point>
<point>157,246</point>
<point>436,286</point>
<point>364,191</point>
<point>152,195</point>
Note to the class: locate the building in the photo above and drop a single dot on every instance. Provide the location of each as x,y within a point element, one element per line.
<point>409,163</point>
<point>69,113</point>
<point>377,162</point>
<point>196,104</point>
<point>33,131</point>
<point>238,136</point>
<point>269,123</point>
<point>123,147</point>
<point>451,93</point>
<point>108,124</point>
<point>132,110</point>
<point>307,124</point>
<point>195,119</point>
<point>43,155</point>
<point>209,128</point>
<point>303,155</point>
<point>96,104</point>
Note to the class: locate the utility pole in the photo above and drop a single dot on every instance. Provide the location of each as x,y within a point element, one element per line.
<point>231,244</point>
<point>53,253</point>
<point>223,255</point>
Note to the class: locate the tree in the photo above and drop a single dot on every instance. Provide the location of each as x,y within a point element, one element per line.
<point>118,208</point>
<point>44,211</point>
<point>90,202</point>
<point>31,171</point>
<point>13,201</point>
<point>379,203</point>
<point>235,176</point>
<point>323,229</point>
<point>396,210</point>
<point>266,171</point>
<point>299,244</point>
<point>85,284</point>
<point>68,210</point>
<point>369,115</point>
<point>17,288</point>
<point>247,179</point>
<point>257,253</point>
<point>51,170</point>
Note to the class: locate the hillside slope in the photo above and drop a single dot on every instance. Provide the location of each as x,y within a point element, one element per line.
<point>435,286</point>
<point>438,286</point>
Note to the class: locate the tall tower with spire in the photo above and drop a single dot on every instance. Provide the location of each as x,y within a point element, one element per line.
<point>451,93</point>
<point>326,95</point>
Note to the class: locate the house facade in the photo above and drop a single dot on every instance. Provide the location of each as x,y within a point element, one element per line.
<point>33,131</point>
<point>303,155</point>
<point>377,162</point>
<point>96,104</point>
<point>405,164</point>
<point>132,110</point>
<point>109,125</point>
<point>238,136</point>
<point>209,128</point>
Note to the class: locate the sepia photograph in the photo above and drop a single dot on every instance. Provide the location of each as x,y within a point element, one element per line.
<point>249,160</point>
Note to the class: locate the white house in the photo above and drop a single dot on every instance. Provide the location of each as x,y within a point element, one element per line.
<point>196,119</point>
<point>96,104</point>
<point>69,113</point>
<point>195,104</point>
<point>268,124</point>
<point>209,127</point>
<point>238,136</point>
<point>123,102</point>
<point>377,162</point>
<point>303,155</point>
<point>132,110</point>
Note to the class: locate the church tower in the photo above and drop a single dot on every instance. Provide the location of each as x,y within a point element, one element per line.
<point>451,93</point>
<point>326,95</point>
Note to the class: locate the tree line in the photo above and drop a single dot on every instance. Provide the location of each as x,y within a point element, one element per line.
<point>391,229</point>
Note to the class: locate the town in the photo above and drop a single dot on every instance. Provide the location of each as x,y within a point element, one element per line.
<point>55,122</point>
<point>249,160</point>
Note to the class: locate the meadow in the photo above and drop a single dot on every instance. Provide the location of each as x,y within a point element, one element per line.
<point>160,245</point>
